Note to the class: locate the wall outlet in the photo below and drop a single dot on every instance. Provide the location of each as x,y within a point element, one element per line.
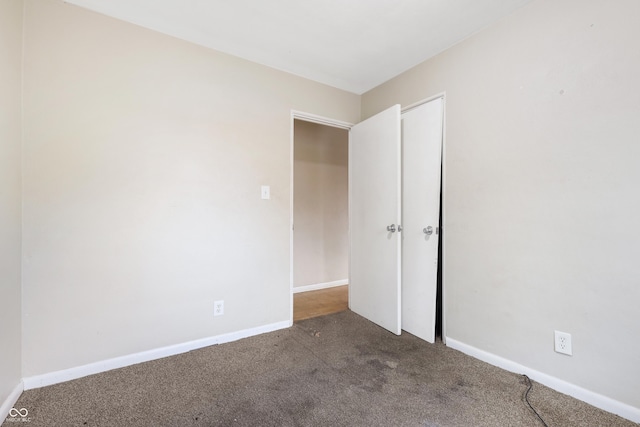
<point>563,343</point>
<point>218,308</point>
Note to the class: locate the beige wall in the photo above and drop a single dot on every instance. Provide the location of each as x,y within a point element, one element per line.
<point>10,203</point>
<point>542,200</point>
<point>144,156</point>
<point>321,215</point>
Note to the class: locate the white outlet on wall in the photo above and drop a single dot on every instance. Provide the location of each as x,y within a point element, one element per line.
<point>563,343</point>
<point>218,308</point>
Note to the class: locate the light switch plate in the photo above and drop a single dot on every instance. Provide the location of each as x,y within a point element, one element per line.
<point>266,192</point>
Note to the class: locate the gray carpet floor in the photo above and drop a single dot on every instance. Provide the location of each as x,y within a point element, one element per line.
<point>336,370</point>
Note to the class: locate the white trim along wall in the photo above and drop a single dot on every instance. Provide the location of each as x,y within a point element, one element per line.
<point>318,286</point>
<point>598,400</point>
<point>56,377</point>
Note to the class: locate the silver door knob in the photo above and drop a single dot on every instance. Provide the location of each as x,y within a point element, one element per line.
<point>391,228</point>
<point>428,231</point>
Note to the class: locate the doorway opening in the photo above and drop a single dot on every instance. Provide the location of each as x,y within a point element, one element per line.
<point>320,234</point>
<point>299,289</point>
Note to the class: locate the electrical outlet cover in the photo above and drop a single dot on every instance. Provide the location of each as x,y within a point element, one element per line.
<point>563,343</point>
<point>218,308</point>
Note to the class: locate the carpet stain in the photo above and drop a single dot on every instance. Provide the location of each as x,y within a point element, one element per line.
<point>300,410</point>
<point>374,375</point>
<point>442,398</point>
<point>364,350</point>
<point>392,365</point>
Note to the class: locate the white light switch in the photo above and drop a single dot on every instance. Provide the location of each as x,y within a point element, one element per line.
<point>266,192</point>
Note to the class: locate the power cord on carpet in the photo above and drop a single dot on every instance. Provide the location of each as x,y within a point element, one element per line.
<point>526,398</point>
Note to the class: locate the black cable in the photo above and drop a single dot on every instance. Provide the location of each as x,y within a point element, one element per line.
<point>526,398</point>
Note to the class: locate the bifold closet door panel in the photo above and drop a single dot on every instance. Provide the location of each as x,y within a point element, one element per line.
<point>374,216</point>
<point>421,175</point>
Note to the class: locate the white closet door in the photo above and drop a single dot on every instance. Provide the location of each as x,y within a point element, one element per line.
<point>421,155</point>
<point>374,194</point>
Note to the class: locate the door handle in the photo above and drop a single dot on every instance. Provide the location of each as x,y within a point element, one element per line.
<point>428,231</point>
<point>391,228</point>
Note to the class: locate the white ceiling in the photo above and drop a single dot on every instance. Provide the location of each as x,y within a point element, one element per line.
<point>353,45</point>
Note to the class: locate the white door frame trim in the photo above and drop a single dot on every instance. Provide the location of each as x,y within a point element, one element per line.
<point>313,118</point>
<point>423,101</point>
<point>443,206</point>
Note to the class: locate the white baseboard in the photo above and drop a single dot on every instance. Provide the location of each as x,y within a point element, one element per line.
<point>50,378</point>
<point>318,286</point>
<point>599,401</point>
<point>10,401</point>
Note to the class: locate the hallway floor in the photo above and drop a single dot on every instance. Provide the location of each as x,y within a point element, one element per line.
<point>307,305</point>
